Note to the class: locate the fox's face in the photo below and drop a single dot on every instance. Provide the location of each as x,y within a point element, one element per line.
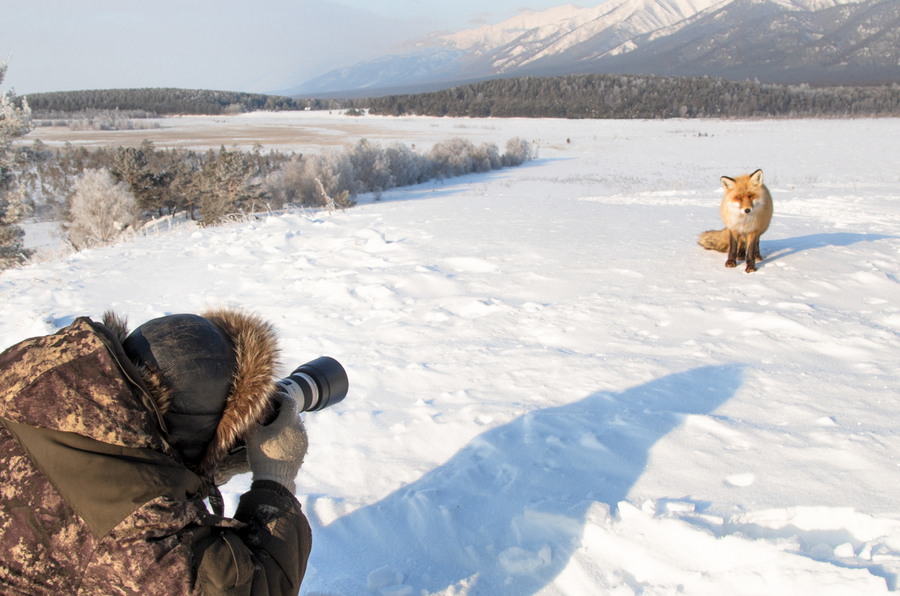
<point>744,193</point>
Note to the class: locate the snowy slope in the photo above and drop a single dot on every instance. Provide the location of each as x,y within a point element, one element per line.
<point>514,43</point>
<point>574,24</point>
<point>554,390</point>
<point>783,41</point>
<point>534,35</point>
<point>814,4</point>
<point>561,38</point>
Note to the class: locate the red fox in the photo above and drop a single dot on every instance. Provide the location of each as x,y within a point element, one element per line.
<point>747,211</point>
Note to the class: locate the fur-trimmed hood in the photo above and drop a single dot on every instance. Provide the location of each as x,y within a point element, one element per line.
<point>255,359</point>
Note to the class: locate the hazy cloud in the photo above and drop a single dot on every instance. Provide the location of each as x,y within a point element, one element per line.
<point>265,45</point>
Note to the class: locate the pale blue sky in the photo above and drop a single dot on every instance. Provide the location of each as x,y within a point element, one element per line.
<point>241,45</point>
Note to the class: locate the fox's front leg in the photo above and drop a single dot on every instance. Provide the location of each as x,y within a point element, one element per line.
<point>759,256</point>
<point>752,252</point>
<point>732,250</point>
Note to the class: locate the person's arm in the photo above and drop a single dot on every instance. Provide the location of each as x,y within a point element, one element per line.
<point>275,522</point>
<point>269,555</point>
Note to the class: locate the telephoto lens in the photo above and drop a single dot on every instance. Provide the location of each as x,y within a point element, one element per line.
<point>317,384</point>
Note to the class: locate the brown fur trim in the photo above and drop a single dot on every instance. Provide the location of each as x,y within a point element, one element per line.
<point>256,358</point>
<point>156,387</point>
<point>117,324</point>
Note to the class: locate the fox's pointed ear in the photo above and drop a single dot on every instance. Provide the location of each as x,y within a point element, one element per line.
<point>727,182</point>
<point>756,178</point>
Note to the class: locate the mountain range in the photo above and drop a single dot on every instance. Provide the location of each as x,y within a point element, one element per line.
<point>776,41</point>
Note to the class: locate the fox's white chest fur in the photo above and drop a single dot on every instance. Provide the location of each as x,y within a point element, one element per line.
<point>740,221</point>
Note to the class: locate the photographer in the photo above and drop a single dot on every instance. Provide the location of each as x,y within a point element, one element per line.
<point>110,442</point>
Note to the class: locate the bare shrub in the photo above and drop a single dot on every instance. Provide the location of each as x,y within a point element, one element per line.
<point>452,158</point>
<point>371,167</point>
<point>518,151</point>
<point>100,210</point>
<point>328,175</point>
<point>407,167</point>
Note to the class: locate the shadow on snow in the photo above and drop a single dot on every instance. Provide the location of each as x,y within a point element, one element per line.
<point>438,187</point>
<point>506,513</point>
<point>783,247</point>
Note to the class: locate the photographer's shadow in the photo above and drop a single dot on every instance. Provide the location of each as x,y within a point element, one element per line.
<point>505,514</point>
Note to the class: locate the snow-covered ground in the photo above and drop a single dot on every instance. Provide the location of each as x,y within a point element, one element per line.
<point>554,390</point>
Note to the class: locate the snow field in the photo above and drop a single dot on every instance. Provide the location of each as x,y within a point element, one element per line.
<point>554,390</point>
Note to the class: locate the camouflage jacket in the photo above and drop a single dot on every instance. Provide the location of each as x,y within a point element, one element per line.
<point>94,501</point>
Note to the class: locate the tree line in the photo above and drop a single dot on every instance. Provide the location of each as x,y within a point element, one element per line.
<point>570,96</point>
<point>162,101</point>
<point>639,96</point>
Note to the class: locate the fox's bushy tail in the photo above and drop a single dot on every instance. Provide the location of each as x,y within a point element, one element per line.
<point>715,240</point>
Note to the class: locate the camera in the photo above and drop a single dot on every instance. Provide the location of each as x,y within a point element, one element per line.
<point>316,385</point>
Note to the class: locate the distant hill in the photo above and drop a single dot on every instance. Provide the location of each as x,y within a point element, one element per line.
<point>776,41</point>
<point>162,101</point>
<point>640,96</point>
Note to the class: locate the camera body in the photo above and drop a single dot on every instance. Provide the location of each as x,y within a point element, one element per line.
<point>316,385</point>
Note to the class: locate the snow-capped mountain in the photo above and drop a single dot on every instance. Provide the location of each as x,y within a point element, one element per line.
<point>839,42</point>
<point>565,35</point>
<point>530,37</point>
<point>773,40</point>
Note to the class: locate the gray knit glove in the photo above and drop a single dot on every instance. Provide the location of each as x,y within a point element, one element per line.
<point>276,450</point>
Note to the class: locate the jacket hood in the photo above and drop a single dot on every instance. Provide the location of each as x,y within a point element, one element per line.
<point>78,380</point>
<point>251,351</point>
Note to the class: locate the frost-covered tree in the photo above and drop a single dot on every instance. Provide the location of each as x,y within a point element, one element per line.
<point>15,121</point>
<point>286,185</point>
<point>407,167</point>
<point>228,184</point>
<point>371,167</point>
<point>101,210</point>
<point>329,176</point>
<point>453,157</point>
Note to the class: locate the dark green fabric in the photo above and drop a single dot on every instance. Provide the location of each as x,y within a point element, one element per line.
<point>103,483</point>
<point>277,525</point>
<point>267,556</point>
